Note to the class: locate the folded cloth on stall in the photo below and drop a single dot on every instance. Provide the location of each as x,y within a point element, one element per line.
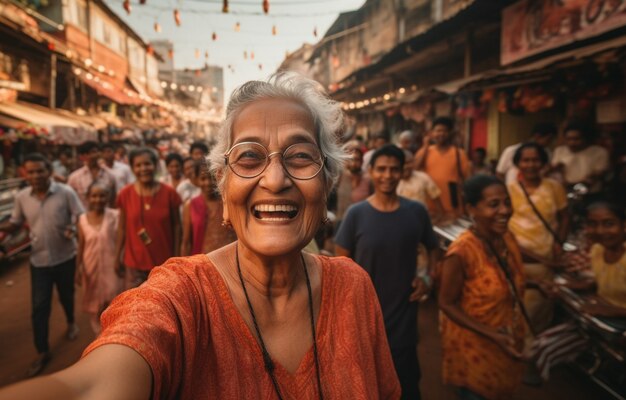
<point>557,345</point>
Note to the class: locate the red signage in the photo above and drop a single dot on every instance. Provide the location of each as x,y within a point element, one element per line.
<point>531,27</point>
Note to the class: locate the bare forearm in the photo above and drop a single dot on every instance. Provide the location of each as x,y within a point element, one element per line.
<point>454,312</point>
<point>420,158</point>
<point>44,388</point>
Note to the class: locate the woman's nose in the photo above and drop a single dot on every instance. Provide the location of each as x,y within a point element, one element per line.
<point>275,178</point>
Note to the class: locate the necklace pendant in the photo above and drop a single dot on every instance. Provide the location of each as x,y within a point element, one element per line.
<point>146,206</point>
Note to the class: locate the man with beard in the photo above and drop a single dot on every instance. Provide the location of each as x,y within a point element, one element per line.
<point>382,234</point>
<point>50,209</point>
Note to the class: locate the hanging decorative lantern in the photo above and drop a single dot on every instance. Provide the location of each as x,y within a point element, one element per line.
<point>157,27</point>
<point>245,55</point>
<point>274,30</point>
<point>142,2</point>
<point>266,6</point>
<point>150,50</point>
<point>237,26</point>
<point>127,7</point>
<point>261,67</point>
<point>177,16</point>
<point>252,55</point>
<point>206,54</point>
<point>225,6</point>
<point>315,31</point>
<point>170,54</point>
<point>214,36</point>
<point>197,53</point>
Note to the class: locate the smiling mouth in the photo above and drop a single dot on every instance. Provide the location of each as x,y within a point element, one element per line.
<point>275,212</point>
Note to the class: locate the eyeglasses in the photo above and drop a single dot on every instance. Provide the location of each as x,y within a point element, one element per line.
<point>249,159</point>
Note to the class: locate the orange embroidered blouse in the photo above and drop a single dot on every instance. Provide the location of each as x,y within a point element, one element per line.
<point>183,322</point>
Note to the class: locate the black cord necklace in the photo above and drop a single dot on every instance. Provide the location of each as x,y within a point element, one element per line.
<point>267,359</point>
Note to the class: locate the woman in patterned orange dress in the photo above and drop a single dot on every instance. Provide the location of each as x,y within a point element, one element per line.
<point>483,327</point>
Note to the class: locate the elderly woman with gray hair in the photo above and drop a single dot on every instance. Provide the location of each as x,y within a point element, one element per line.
<point>258,318</point>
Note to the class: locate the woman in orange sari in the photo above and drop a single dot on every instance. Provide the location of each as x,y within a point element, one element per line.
<point>481,281</point>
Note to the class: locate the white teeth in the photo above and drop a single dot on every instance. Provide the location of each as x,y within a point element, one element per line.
<point>274,208</point>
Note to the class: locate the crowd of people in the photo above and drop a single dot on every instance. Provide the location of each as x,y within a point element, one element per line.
<point>251,318</point>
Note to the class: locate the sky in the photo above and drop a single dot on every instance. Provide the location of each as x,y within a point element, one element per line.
<point>295,22</point>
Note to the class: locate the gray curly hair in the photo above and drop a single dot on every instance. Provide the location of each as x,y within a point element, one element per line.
<point>326,113</point>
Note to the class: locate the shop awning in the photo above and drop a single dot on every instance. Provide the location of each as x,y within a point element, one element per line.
<point>110,89</point>
<point>96,122</point>
<point>60,128</point>
<point>533,71</point>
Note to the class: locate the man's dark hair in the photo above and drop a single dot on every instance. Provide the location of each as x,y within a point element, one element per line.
<point>88,146</point>
<point>473,187</point>
<point>140,151</point>
<point>389,150</point>
<point>543,155</point>
<point>39,158</point>
<point>67,152</point>
<point>107,145</point>
<point>544,129</point>
<point>174,157</point>
<point>583,127</point>
<point>199,145</point>
<point>445,121</point>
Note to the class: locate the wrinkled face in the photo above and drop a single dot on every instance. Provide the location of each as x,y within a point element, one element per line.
<point>493,211</point>
<point>174,169</point>
<point>272,213</point>
<point>97,198</point>
<point>604,227</point>
<point>385,174</point>
<point>440,134</point>
<point>355,162</point>
<point>37,174</point>
<point>574,140</point>
<point>143,168</point>
<point>530,164</point>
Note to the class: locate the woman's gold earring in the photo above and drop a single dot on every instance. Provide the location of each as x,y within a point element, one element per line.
<point>226,224</point>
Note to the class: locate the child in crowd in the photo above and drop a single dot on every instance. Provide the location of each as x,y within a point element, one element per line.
<point>202,220</point>
<point>97,230</point>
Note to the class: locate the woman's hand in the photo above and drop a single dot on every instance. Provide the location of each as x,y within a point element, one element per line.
<point>420,290</point>
<point>506,343</point>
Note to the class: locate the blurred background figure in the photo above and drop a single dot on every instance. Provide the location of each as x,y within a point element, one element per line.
<point>92,171</point>
<point>354,185</point>
<point>189,187</point>
<point>418,186</point>
<point>480,166</point>
<point>97,231</point>
<point>174,165</point>
<point>122,173</point>
<point>202,220</point>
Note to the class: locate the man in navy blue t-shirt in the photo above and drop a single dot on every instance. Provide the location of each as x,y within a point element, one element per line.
<point>382,235</point>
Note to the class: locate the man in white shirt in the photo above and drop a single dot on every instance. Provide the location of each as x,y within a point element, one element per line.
<point>542,134</point>
<point>579,160</point>
<point>122,173</point>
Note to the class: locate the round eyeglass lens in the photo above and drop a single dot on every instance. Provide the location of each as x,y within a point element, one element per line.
<point>303,160</point>
<point>247,159</point>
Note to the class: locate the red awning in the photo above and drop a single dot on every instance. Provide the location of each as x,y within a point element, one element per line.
<point>110,89</point>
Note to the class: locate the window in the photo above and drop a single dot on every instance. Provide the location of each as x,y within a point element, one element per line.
<point>76,13</point>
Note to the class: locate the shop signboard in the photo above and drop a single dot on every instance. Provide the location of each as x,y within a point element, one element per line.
<point>531,27</point>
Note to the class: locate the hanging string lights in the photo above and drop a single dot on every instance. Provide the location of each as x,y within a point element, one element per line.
<point>177,17</point>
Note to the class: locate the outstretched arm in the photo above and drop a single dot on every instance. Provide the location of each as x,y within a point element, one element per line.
<point>112,371</point>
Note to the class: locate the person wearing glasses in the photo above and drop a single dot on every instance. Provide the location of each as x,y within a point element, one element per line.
<point>258,318</point>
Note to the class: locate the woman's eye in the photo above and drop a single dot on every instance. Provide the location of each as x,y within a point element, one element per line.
<point>250,155</point>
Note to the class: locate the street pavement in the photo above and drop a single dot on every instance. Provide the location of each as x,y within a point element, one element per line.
<point>17,349</point>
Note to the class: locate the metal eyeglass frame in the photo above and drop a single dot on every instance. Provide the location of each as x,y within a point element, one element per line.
<point>267,162</point>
